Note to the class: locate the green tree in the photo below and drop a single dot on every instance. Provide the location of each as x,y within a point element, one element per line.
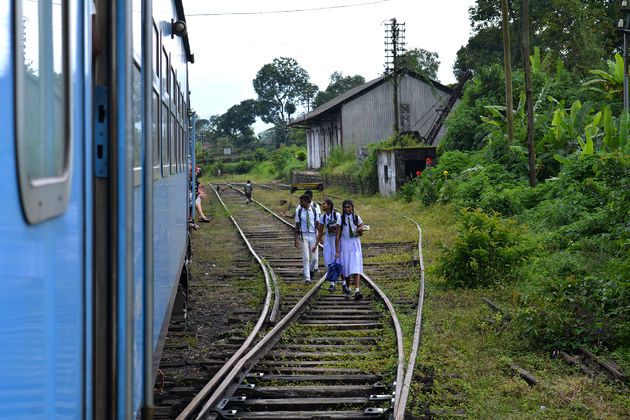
<point>278,83</point>
<point>422,62</point>
<point>338,84</point>
<point>237,121</point>
<point>581,33</point>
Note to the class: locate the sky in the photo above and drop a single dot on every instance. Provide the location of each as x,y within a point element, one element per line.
<point>230,45</point>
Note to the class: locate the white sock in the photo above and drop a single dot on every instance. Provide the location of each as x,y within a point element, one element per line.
<point>356,290</point>
<point>343,282</point>
<point>332,283</point>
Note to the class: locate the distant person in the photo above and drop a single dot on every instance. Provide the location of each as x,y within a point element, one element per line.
<point>329,224</point>
<point>248,191</point>
<point>348,247</point>
<point>305,229</point>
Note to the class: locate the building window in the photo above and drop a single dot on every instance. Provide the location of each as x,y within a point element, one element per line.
<point>42,108</point>
<point>386,173</point>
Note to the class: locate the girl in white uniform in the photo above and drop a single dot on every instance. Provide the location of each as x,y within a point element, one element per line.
<point>329,223</point>
<point>348,246</point>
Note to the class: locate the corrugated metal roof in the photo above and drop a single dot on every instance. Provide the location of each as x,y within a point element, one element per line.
<point>346,96</point>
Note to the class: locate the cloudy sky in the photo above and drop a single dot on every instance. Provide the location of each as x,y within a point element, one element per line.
<point>232,40</point>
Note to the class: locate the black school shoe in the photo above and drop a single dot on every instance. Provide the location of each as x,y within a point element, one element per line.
<point>358,296</point>
<point>331,288</point>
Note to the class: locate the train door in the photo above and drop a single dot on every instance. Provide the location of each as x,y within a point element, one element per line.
<point>45,156</point>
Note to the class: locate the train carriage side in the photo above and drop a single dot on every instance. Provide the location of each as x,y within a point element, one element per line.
<point>120,372</point>
<point>45,223</point>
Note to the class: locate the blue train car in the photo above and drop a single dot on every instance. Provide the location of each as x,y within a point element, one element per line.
<point>94,161</point>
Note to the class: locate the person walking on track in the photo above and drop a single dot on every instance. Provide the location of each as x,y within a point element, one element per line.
<point>305,228</point>
<point>329,224</point>
<point>348,247</point>
<point>248,191</point>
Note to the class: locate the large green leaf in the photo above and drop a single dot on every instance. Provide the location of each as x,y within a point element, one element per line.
<point>562,159</point>
<point>619,68</point>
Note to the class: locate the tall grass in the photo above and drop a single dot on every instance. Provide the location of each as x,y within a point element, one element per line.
<point>341,162</point>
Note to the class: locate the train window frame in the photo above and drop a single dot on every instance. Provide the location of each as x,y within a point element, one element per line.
<point>48,196</point>
<point>164,119</point>
<point>155,131</point>
<point>136,101</point>
<point>173,109</point>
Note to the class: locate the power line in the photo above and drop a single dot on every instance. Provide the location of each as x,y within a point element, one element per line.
<point>289,11</point>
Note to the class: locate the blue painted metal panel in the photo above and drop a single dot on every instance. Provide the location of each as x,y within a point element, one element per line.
<point>42,269</point>
<point>124,211</point>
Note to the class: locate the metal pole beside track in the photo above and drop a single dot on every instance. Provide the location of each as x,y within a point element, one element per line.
<point>147,172</point>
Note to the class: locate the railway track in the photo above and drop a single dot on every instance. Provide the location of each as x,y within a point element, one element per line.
<point>327,357</point>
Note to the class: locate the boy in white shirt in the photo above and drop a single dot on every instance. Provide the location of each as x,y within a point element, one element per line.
<point>306,218</point>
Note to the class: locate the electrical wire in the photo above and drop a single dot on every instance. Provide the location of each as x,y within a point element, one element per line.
<point>289,11</point>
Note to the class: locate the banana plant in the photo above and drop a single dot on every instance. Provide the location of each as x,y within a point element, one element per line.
<point>612,80</point>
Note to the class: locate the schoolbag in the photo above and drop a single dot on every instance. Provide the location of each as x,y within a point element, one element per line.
<point>248,188</point>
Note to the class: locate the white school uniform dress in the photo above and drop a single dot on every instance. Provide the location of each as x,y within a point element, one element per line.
<point>330,232</point>
<point>307,218</point>
<point>350,253</point>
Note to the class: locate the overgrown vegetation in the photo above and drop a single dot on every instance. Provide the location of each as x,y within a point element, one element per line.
<point>570,275</point>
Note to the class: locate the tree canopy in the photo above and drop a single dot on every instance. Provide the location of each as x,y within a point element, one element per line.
<point>277,84</point>
<point>580,32</point>
<point>338,84</point>
<point>422,62</point>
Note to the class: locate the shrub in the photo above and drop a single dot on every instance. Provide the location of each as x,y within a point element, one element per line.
<point>488,250</point>
<point>575,310</point>
<point>286,160</point>
<point>340,162</point>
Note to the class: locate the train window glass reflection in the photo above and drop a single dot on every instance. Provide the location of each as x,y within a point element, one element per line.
<point>42,104</point>
<point>172,142</point>
<point>155,135</point>
<point>136,25</point>
<point>137,124</point>
<point>165,156</point>
<point>156,55</point>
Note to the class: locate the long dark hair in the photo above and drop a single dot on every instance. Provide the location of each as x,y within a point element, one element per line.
<point>332,210</point>
<point>343,217</point>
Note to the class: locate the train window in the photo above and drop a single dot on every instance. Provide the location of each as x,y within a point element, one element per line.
<point>155,135</point>
<point>165,139</point>
<point>137,123</point>
<point>164,76</point>
<point>42,107</point>
<point>156,56</point>
<point>172,142</point>
<point>136,25</point>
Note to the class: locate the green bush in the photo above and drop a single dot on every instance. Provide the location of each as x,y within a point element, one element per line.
<point>576,310</point>
<point>340,162</point>
<point>368,172</point>
<point>488,250</point>
<point>286,160</point>
<point>456,161</point>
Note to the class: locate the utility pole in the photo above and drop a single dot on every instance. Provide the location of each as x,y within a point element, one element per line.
<point>507,64</point>
<point>624,27</point>
<point>528,94</point>
<point>394,48</point>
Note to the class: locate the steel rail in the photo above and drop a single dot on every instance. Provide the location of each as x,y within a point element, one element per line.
<point>240,370</point>
<point>194,404</point>
<point>404,394</point>
<point>399,342</point>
